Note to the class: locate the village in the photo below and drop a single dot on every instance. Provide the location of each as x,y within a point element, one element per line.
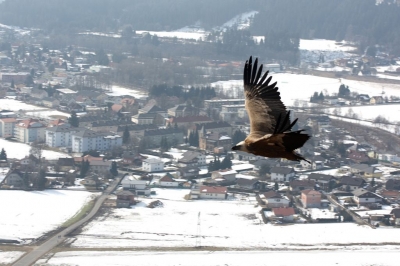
<point>64,128</point>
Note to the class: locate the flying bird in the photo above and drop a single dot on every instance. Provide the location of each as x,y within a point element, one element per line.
<point>271,132</point>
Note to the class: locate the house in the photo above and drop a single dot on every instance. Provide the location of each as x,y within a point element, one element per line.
<point>325,182</point>
<point>311,198</point>
<point>132,159</point>
<point>60,135</point>
<point>217,104</point>
<point>226,174</point>
<point>272,199</point>
<point>50,102</point>
<point>188,121</point>
<point>65,164</point>
<point>363,196</point>
<point>144,119</point>
<point>392,196</point>
<point>282,174</point>
<point>220,127</point>
<point>392,184</point>
<point>320,121</point>
<point>246,183</point>
<point>285,213</point>
<point>207,192</point>
<point>211,141</point>
<point>125,199</point>
<point>299,185</point>
<point>15,179</point>
<point>182,110</point>
<point>396,216</point>
<point>168,181</point>
<point>141,187</point>
<point>7,126</point>
<point>189,172</point>
<point>192,158</point>
<point>349,183</point>
<point>100,166</point>
<point>152,165</point>
<point>376,100</point>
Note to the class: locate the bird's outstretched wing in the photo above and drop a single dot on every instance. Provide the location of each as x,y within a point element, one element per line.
<point>266,111</point>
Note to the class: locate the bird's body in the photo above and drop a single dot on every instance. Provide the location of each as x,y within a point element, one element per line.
<point>270,126</point>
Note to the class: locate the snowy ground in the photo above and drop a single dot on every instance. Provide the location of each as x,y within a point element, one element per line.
<point>19,150</point>
<point>120,91</point>
<point>8,257</point>
<point>175,225</point>
<point>225,258</point>
<point>48,114</point>
<point>14,105</point>
<point>29,215</point>
<point>324,45</point>
<point>370,112</point>
<point>3,172</point>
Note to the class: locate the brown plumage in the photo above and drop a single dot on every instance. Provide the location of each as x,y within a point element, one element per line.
<point>270,126</point>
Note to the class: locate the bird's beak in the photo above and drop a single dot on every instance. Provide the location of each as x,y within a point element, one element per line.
<point>234,148</point>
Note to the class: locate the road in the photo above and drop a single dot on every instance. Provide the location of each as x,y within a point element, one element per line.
<point>31,257</point>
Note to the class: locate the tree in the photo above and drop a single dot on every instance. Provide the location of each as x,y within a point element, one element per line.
<point>211,166</point>
<point>114,169</point>
<point>12,84</point>
<point>73,120</point>
<point>276,186</point>
<point>41,180</point>
<point>226,162</point>
<point>84,168</point>
<point>373,182</point>
<point>3,155</point>
<point>264,169</point>
<point>238,136</point>
<point>126,136</point>
<point>37,151</point>
<point>164,145</point>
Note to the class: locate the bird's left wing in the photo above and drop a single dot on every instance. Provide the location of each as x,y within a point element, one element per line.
<point>263,102</point>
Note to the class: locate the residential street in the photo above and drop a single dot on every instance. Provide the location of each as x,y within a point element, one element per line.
<point>31,257</point>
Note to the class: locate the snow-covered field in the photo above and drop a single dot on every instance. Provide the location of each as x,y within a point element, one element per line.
<point>233,223</point>
<point>120,91</point>
<point>20,150</point>
<point>48,114</point>
<point>8,257</point>
<point>29,215</point>
<point>324,45</point>
<point>370,112</point>
<point>224,258</point>
<point>14,105</point>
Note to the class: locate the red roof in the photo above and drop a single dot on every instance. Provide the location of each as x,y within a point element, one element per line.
<point>287,211</point>
<point>215,190</point>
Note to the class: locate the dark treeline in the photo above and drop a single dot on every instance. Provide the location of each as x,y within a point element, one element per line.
<point>103,15</point>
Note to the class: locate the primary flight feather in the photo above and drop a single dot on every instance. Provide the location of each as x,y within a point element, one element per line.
<point>270,126</point>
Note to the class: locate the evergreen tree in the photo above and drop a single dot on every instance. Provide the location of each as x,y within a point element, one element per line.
<point>211,166</point>
<point>73,120</point>
<point>84,168</point>
<point>264,169</point>
<point>126,136</point>
<point>238,136</point>
<point>42,180</point>
<point>373,182</point>
<point>114,169</point>
<point>276,186</point>
<point>12,84</point>
<point>217,164</point>
<point>226,162</point>
<point>3,155</point>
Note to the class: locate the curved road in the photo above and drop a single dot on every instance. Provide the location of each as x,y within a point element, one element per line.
<point>31,257</point>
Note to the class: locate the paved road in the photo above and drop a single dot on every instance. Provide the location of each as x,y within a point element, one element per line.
<point>31,257</point>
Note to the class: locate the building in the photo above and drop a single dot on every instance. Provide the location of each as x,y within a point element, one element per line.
<point>311,198</point>
<point>227,175</point>
<point>153,138</point>
<point>299,185</point>
<point>325,182</point>
<point>140,187</point>
<point>364,197</point>
<point>152,165</point>
<point>188,121</point>
<point>7,126</point>
<point>217,104</point>
<point>125,199</point>
<point>282,174</point>
<point>215,142</point>
<point>29,130</point>
<point>144,119</point>
<point>15,179</point>
<point>60,135</point>
<point>273,67</point>
<point>396,216</point>
<point>192,158</point>
<point>16,77</point>
<point>182,110</point>
<point>86,140</point>
<point>100,166</point>
<point>168,180</point>
<point>273,199</point>
<point>206,192</point>
<point>285,213</point>
<point>349,183</point>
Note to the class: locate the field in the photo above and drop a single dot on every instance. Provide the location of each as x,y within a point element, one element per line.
<point>30,215</point>
<point>230,224</point>
<point>7,257</point>
<point>19,150</point>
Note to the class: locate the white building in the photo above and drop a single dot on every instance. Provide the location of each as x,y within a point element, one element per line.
<point>7,126</point>
<point>227,174</point>
<point>282,174</point>
<point>206,192</point>
<point>152,165</point>
<point>29,130</point>
<point>86,140</point>
<point>60,136</point>
<point>274,200</point>
<point>273,68</point>
<point>168,181</point>
<point>141,187</point>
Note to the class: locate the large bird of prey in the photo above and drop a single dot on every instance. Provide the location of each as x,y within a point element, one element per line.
<point>270,126</point>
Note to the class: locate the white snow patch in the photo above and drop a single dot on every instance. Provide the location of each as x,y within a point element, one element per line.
<point>19,150</point>
<point>8,257</point>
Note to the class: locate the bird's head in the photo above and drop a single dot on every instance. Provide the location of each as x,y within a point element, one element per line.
<point>241,146</point>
